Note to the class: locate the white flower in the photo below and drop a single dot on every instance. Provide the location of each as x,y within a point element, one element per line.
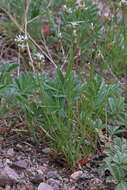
<point>25,38</point>
<point>59,35</point>
<point>22,46</point>
<point>18,38</point>
<point>81,6</point>
<point>100,55</point>
<point>69,10</point>
<point>74,23</point>
<point>65,7</point>
<point>124,2</point>
<point>21,38</point>
<point>74,32</point>
<point>39,56</point>
<point>106,14</point>
<point>92,26</point>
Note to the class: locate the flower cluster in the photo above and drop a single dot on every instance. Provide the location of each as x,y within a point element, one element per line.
<point>21,41</point>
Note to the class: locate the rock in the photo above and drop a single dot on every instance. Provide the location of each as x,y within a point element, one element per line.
<point>38,178</point>
<point>72,188</point>
<point>85,176</point>
<point>20,164</point>
<point>53,175</point>
<point>22,175</point>
<point>8,176</point>
<point>56,187</point>
<point>29,187</point>
<point>7,187</point>
<point>46,150</point>
<point>76,175</point>
<point>45,186</point>
<point>96,184</point>
<point>53,182</point>
<point>65,180</point>
<point>44,167</point>
<point>19,146</point>
<point>40,172</point>
<point>10,152</point>
<point>31,172</point>
<point>7,162</point>
<point>101,173</point>
<point>32,140</point>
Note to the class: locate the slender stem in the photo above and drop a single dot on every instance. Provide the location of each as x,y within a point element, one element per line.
<point>25,20</point>
<point>18,62</point>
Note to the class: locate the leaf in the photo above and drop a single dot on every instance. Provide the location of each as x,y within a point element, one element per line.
<point>21,99</point>
<point>17,83</point>
<point>60,76</point>
<point>12,67</point>
<point>120,158</point>
<point>118,172</point>
<point>60,96</point>
<point>121,186</point>
<point>2,86</point>
<point>49,87</point>
<point>110,179</point>
<point>112,104</point>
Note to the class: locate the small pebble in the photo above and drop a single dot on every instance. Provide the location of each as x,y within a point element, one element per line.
<point>38,178</point>
<point>46,150</point>
<point>52,181</point>
<point>20,164</point>
<point>8,162</point>
<point>7,187</point>
<point>29,187</point>
<point>85,176</point>
<point>45,186</point>
<point>10,152</point>
<point>19,146</point>
<point>53,175</point>
<point>40,172</point>
<point>76,175</point>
